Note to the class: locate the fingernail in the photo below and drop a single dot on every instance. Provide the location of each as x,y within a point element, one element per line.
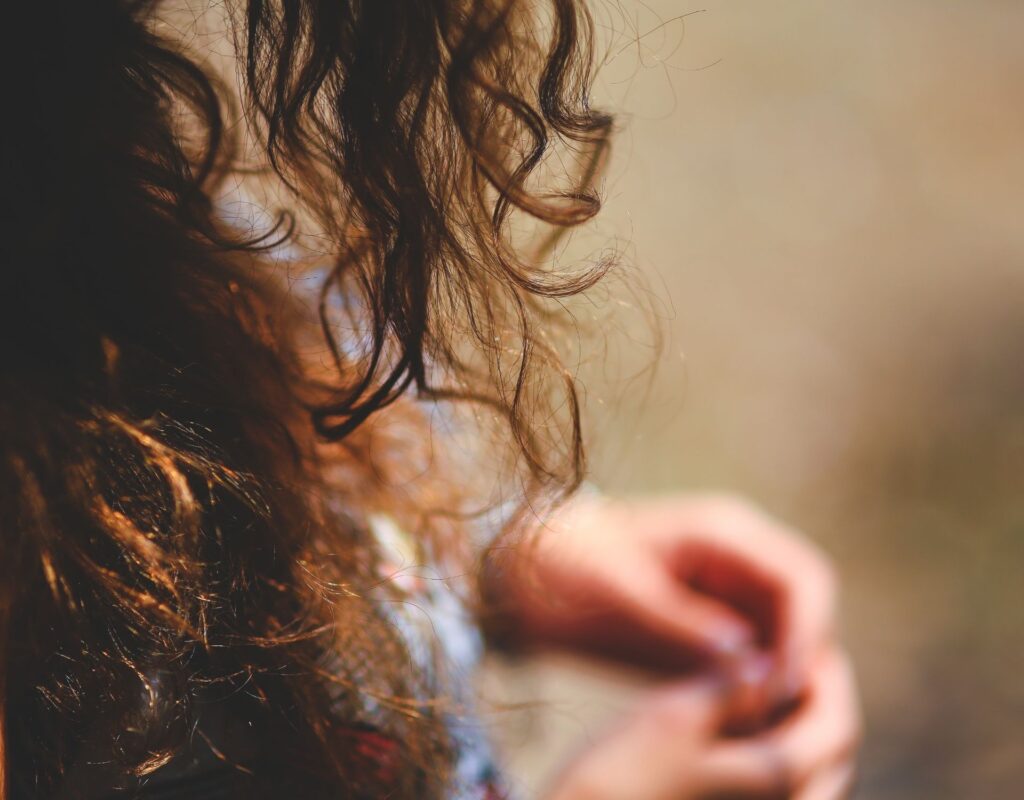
<point>755,671</point>
<point>730,641</point>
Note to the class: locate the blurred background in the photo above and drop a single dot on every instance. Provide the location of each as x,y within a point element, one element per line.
<point>822,202</point>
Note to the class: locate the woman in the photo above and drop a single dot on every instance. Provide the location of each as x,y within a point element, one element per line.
<point>209,467</point>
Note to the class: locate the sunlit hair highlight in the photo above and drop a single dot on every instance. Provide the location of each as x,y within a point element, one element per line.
<point>192,455</point>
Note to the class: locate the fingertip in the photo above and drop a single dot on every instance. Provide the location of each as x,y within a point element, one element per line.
<point>730,640</point>
<point>751,699</point>
<point>702,621</point>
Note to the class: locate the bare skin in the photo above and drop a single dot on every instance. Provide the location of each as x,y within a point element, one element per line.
<point>734,610</point>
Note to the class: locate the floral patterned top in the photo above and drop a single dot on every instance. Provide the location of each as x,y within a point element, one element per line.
<point>435,615</point>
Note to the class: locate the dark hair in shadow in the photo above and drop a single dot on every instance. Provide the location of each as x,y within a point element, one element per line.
<point>186,476</point>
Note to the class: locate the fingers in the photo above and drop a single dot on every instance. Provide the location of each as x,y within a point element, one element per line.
<point>691,709</point>
<point>759,551</point>
<point>806,622</point>
<point>653,753</point>
<point>796,755</point>
<point>829,721</point>
<point>728,771</point>
<point>680,613</point>
<point>671,747</point>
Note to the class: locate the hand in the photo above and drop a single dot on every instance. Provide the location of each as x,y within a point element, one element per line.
<point>673,748</point>
<point>676,583</point>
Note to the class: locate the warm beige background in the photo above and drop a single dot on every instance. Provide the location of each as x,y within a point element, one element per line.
<point>825,201</point>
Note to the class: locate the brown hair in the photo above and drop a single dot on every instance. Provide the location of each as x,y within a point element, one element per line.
<point>186,486</point>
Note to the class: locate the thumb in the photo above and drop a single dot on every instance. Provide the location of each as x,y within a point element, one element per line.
<point>653,752</point>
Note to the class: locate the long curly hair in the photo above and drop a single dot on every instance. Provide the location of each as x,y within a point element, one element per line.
<point>190,452</point>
